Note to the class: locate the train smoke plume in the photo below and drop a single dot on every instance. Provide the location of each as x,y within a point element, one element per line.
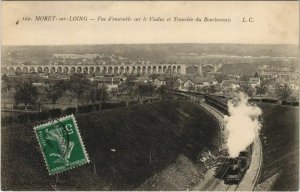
<point>242,124</point>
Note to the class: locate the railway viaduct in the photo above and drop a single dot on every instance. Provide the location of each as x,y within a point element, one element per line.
<point>179,69</point>
<point>105,69</point>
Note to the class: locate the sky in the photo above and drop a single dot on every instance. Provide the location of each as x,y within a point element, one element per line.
<point>274,22</point>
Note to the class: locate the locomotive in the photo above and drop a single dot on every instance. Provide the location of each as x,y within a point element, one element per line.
<point>238,166</point>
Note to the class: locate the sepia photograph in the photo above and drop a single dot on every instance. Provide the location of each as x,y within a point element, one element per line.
<point>150,96</point>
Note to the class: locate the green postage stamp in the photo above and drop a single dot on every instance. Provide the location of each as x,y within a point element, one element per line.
<point>61,144</point>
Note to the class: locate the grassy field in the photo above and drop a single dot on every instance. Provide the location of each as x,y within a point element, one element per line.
<point>165,130</point>
<point>280,135</point>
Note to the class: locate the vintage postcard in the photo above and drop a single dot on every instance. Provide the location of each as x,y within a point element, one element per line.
<point>150,96</point>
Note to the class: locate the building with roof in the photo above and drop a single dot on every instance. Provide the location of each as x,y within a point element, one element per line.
<point>231,84</point>
<point>254,81</point>
<point>159,81</point>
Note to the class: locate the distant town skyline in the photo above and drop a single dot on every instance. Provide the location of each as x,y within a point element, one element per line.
<point>274,23</point>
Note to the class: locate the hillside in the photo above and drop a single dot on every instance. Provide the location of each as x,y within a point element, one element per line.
<point>167,130</point>
<point>152,51</point>
<point>280,138</point>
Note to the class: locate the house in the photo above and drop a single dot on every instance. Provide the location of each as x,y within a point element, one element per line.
<point>196,82</point>
<point>63,77</point>
<point>230,84</point>
<point>189,85</point>
<point>159,81</point>
<point>110,82</point>
<point>254,81</point>
<point>144,79</point>
<point>178,85</point>
<point>293,86</point>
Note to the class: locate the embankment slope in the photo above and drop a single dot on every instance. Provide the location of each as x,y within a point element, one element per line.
<point>126,147</point>
<point>280,139</point>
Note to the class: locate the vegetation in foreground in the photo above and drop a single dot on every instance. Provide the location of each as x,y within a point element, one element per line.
<point>126,146</point>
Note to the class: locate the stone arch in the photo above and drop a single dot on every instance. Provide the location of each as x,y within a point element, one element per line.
<point>121,70</point>
<point>39,70</point>
<point>73,70</point>
<point>178,70</point>
<point>66,70</point>
<point>127,70</point>
<point>160,69</point>
<point>164,69</point>
<point>138,70</point>
<point>31,69</point>
<point>79,70</point>
<point>104,70</point>
<point>133,70</point>
<point>116,70</point>
<point>25,70</point>
<point>174,69</point>
<point>11,69</point>
<point>154,70</point>
<point>149,70</point>
<point>59,70</point>
<point>85,70</point>
<point>169,69</point>
<point>97,70</point>
<point>46,70</point>
<point>144,70</point>
<point>91,70</point>
<point>18,69</point>
<point>110,70</point>
<point>52,70</point>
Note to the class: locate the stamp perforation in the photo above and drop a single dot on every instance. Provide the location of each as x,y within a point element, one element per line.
<point>50,123</point>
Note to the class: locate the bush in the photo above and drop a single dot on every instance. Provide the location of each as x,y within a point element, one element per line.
<point>85,109</point>
<point>133,103</point>
<point>97,107</point>
<point>69,111</point>
<point>269,100</point>
<point>113,105</point>
<point>55,113</point>
<point>7,120</point>
<point>43,115</point>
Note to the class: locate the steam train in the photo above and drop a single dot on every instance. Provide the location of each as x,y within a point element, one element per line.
<point>238,166</point>
<point>233,169</point>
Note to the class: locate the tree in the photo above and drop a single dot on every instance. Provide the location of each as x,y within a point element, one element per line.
<point>247,88</point>
<point>261,89</point>
<point>55,92</point>
<point>145,89</point>
<point>97,93</point>
<point>170,82</point>
<point>4,78</point>
<point>245,78</point>
<point>162,90</point>
<point>221,77</point>
<point>153,76</point>
<point>78,85</point>
<point>128,85</point>
<point>26,93</point>
<point>283,92</point>
<point>212,89</point>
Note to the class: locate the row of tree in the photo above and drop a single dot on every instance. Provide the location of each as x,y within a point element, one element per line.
<point>80,87</point>
<point>86,91</point>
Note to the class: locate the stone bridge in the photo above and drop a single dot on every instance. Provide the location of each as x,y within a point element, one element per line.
<point>104,69</point>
